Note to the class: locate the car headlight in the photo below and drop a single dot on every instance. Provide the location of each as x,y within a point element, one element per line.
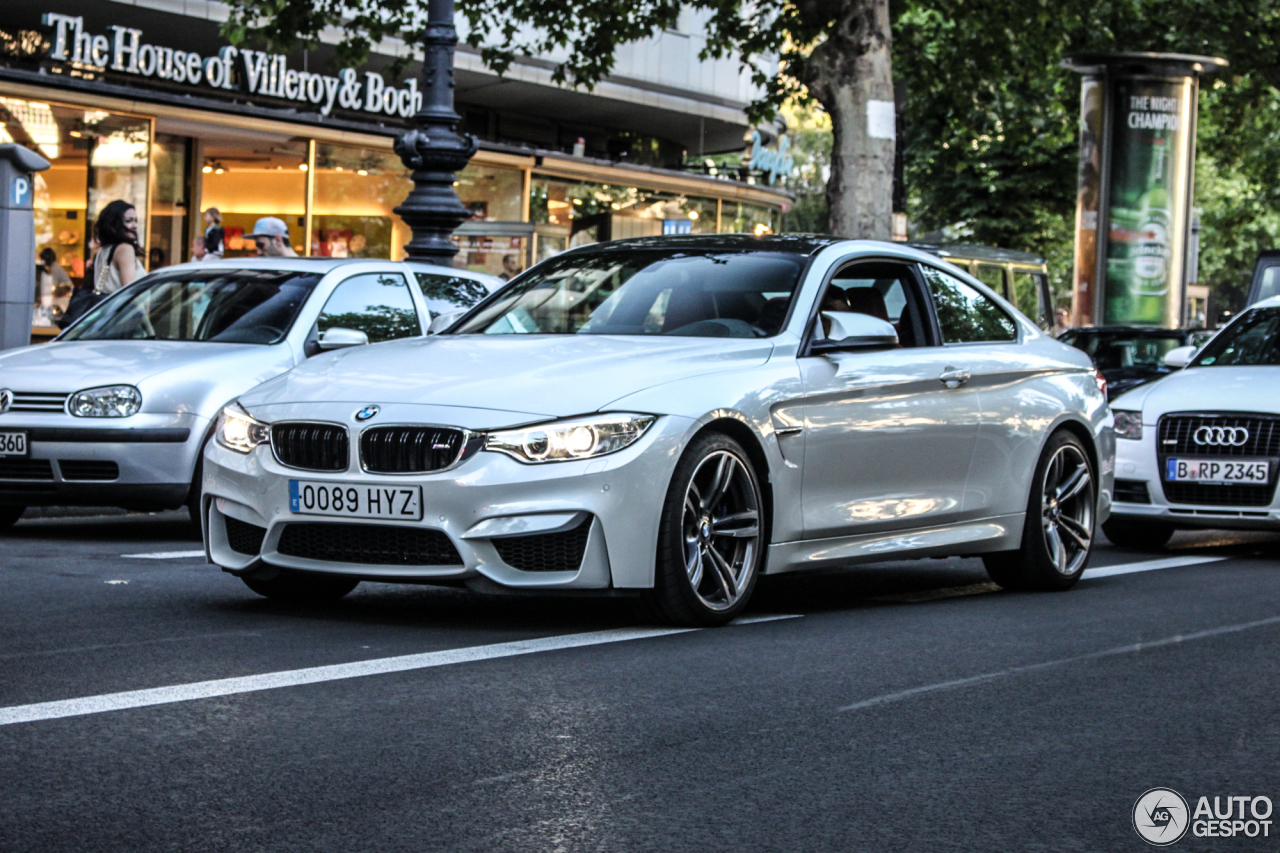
<point>239,431</point>
<point>577,438</point>
<point>1129,425</point>
<point>110,401</point>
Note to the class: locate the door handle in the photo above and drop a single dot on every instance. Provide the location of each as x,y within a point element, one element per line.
<point>954,377</point>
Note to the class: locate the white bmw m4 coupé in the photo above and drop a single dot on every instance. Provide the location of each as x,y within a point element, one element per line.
<point>674,416</point>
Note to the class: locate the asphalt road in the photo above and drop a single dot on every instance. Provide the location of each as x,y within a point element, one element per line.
<point>904,706</point>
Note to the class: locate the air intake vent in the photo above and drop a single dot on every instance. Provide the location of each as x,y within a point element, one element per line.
<point>545,552</point>
<point>26,469</point>
<point>35,401</point>
<point>243,537</point>
<point>310,447</point>
<point>1132,492</point>
<point>409,449</point>
<point>369,545</point>
<point>88,469</point>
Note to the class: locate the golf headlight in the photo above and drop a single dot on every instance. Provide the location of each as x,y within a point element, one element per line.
<point>1129,425</point>
<point>239,431</point>
<point>578,438</point>
<point>111,401</point>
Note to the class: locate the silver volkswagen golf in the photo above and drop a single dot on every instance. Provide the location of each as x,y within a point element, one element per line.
<point>116,411</point>
<point>675,416</point>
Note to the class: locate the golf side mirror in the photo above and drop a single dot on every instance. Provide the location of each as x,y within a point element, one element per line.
<point>1180,357</point>
<point>443,321</point>
<point>340,338</point>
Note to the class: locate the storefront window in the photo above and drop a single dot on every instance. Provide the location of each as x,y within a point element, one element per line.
<point>167,242</point>
<point>574,213</point>
<point>250,175</point>
<point>741,218</point>
<point>492,193</point>
<point>355,192</point>
<point>495,255</point>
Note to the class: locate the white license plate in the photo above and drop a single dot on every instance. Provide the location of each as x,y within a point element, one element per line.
<point>355,500</point>
<point>13,444</point>
<point>1257,471</point>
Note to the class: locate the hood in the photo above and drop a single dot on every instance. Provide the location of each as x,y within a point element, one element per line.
<point>1206,389</point>
<point>545,375</point>
<point>170,374</point>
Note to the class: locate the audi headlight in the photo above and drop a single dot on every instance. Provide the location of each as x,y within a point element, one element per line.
<point>577,438</point>
<point>110,401</point>
<point>1129,425</point>
<point>240,431</point>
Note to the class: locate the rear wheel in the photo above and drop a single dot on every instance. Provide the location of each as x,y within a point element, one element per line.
<point>711,542</point>
<point>300,588</point>
<point>9,515</point>
<point>1057,537</point>
<point>1147,535</point>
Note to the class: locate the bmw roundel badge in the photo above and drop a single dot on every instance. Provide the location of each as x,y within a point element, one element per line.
<point>367,412</point>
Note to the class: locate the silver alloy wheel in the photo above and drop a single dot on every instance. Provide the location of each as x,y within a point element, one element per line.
<point>1066,509</point>
<point>721,528</point>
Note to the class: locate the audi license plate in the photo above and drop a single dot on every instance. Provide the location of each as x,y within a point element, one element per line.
<point>351,500</point>
<point>1257,471</point>
<point>13,444</point>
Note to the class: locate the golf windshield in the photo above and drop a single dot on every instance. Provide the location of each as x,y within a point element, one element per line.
<point>679,292</point>
<point>234,306</point>
<point>1253,340</point>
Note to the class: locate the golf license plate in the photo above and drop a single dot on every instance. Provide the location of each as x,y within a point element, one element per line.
<point>13,444</point>
<point>1256,471</point>
<point>355,500</point>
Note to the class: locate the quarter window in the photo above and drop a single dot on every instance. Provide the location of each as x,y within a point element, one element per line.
<point>377,304</point>
<point>1027,296</point>
<point>965,315</point>
<point>445,293</point>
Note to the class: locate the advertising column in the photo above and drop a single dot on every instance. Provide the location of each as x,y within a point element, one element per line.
<point>1137,164</point>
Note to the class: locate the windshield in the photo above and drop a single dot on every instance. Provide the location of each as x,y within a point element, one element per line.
<point>1119,350</point>
<point>1252,340</point>
<point>220,306</point>
<point>682,292</point>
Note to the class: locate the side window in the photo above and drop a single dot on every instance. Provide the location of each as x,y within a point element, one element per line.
<point>445,293</point>
<point>993,277</point>
<point>882,290</point>
<point>377,304</point>
<point>965,315</point>
<point>1270,285</point>
<point>1027,296</point>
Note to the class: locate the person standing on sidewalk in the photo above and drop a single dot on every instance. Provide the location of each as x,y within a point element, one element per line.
<point>116,264</point>
<point>272,237</point>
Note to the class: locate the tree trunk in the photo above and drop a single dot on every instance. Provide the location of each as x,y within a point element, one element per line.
<point>851,75</point>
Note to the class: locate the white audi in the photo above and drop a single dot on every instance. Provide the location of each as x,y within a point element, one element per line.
<point>1201,447</point>
<point>674,416</point>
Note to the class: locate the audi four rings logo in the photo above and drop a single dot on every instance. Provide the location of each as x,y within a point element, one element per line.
<point>1221,436</point>
<point>6,400</point>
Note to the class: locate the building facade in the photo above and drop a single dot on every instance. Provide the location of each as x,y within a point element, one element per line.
<point>147,102</point>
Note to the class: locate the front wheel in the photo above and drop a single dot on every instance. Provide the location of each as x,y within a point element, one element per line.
<point>299,588</point>
<point>711,539</point>
<point>1057,537</point>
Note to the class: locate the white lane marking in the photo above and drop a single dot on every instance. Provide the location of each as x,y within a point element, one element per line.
<point>166,555</point>
<point>115,582</point>
<point>1034,667</point>
<point>752,620</point>
<point>1147,566</point>
<point>316,674</point>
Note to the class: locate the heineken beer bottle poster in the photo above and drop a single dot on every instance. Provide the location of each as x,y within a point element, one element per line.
<point>1151,140</point>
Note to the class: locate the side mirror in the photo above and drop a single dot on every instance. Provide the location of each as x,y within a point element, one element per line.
<point>340,338</point>
<point>1180,357</point>
<point>850,331</point>
<point>443,321</point>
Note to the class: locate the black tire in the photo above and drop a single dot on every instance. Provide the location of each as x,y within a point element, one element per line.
<point>302,588</point>
<point>1136,533</point>
<point>695,583</point>
<point>9,516</point>
<point>1060,509</point>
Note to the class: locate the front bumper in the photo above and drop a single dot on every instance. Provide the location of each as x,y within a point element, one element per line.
<point>145,461</point>
<point>489,497</point>
<point>1138,469</point>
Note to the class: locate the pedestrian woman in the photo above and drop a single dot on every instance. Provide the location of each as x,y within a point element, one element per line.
<point>214,234</point>
<point>116,264</point>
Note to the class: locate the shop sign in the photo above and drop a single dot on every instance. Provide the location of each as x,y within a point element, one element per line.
<point>238,69</point>
<point>774,164</point>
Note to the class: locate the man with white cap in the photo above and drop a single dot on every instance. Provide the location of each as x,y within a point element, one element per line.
<point>272,237</point>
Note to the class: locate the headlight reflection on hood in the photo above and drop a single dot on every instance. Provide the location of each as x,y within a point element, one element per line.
<point>239,431</point>
<point>111,401</point>
<point>575,438</point>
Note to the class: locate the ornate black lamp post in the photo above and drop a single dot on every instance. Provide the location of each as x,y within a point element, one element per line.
<point>434,148</point>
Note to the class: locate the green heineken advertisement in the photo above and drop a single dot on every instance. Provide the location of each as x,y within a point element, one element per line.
<point>1151,147</point>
